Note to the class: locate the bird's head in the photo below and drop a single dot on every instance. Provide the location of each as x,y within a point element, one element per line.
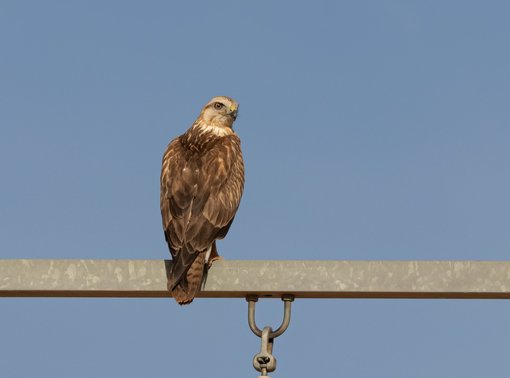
<point>220,111</point>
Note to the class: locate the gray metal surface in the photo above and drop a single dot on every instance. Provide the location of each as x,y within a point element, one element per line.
<point>238,278</point>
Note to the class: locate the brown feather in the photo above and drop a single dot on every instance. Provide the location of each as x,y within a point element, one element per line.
<point>185,291</point>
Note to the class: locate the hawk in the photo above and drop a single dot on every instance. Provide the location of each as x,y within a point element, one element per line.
<point>202,181</point>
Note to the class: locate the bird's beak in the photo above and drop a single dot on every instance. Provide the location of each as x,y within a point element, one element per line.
<point>233,110</point>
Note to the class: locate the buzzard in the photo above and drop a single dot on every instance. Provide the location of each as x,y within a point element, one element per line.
<point>202,180</point>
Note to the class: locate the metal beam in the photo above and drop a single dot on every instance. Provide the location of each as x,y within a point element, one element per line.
<point>238,278</point>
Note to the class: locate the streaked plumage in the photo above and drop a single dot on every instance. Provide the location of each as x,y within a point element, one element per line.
<point>202,180</point>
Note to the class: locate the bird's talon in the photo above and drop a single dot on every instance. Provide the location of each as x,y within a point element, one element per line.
<point>215,258</point>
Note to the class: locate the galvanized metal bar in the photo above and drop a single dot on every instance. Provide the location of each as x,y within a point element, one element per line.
<point>238,279</point>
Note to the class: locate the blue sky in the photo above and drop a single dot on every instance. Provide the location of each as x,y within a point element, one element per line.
<point>370,129</point>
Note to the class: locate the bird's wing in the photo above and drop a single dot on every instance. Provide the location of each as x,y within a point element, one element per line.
<point>223,171</point>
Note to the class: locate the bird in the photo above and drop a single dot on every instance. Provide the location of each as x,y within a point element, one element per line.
<point>202,182</point>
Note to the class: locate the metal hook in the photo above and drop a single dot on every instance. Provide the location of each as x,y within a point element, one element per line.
<point>287,300</point>
<point>264,362</point>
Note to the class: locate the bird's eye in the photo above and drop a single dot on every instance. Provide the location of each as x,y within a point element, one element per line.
<point>218,105</point>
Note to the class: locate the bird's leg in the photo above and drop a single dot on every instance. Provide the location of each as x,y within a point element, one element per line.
<point>214,255</point>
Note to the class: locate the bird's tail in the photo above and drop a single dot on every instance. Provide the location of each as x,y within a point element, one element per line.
<point>189,285</point>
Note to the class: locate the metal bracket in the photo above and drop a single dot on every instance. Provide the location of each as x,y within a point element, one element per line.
<point>264,362</point>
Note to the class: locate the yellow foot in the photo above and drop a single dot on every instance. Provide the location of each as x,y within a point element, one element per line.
<point>216,258</point>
